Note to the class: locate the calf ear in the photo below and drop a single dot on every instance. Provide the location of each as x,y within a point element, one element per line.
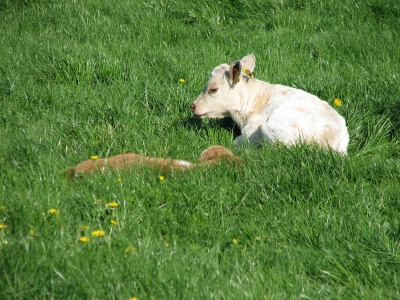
<point>234,72</point>
<point>249,62</point>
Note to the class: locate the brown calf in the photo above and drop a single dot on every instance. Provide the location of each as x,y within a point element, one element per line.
<point>211,156</point>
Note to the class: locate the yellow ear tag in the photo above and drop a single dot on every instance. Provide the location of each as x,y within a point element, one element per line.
<point>247,72</point>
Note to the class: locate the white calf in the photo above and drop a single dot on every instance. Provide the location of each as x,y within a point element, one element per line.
<point>267,111</point>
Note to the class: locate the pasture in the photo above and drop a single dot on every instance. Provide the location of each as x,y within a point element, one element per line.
<point>99,78</point>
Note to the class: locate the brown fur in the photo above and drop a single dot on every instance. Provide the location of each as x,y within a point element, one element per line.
<point>211,156</point>
<point>215,154</point>
<point>260,102</point>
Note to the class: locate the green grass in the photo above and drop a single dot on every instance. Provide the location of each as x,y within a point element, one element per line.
<point>82,78</point>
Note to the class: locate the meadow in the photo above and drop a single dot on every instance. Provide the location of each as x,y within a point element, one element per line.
<point>91,77</point>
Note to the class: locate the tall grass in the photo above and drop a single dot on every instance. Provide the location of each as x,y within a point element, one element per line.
<point>83,78</point>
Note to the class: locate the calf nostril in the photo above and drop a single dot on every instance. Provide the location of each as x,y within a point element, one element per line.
<point>192,107</point>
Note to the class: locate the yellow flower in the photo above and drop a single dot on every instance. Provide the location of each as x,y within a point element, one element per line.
<point>3,226</point>
<point>94,157</point>
<point>98,233</point>
<point>134,298</point>
<point>181,80</point>
<point>113,222</point>
<point>130,248</point>
<point>161,178</point>
<point>31,232</point>
<point>119,179</point>
<point>3,207</point>
<point>84,239</point>
<point>53,211</point>
<point>235,241</point>
<point>113,204</point>
<point>84,227</point>
<point>337,102</point>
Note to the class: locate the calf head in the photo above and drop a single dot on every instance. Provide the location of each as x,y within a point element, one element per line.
<point>220,96</point>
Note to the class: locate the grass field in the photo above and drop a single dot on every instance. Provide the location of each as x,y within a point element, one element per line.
<point>83,78</point>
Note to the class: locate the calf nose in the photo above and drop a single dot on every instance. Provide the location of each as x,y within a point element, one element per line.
<point>193,107</point>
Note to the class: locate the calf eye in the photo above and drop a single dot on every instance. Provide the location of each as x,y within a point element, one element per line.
<point>212,90</point>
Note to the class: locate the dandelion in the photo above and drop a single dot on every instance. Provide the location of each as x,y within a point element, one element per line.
<point>84,239</point>
<point>113,222</point>
<point>84,227</point>
<point>130,249</point>
<point>337,102</point>
<point>119,179</point>
<point>181,80</point>
<point>53,212</point>
<point>94,157</point>
<point>3,207</point>
<point>31,232</point>
<point>235,241</point>
<point>134,298</point>
<point>113,204</point>
<point>3,226</point>
<point>161,178</point>
<point>98,233</point>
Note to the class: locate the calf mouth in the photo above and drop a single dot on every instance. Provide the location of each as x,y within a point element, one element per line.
<point>198,116</point>
<point>193,108</point>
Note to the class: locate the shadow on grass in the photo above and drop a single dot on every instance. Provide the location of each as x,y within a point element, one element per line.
<point>225,123</point>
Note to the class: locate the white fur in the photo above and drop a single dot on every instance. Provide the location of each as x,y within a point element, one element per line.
<point>269,112</point>
<point>184,163</point>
